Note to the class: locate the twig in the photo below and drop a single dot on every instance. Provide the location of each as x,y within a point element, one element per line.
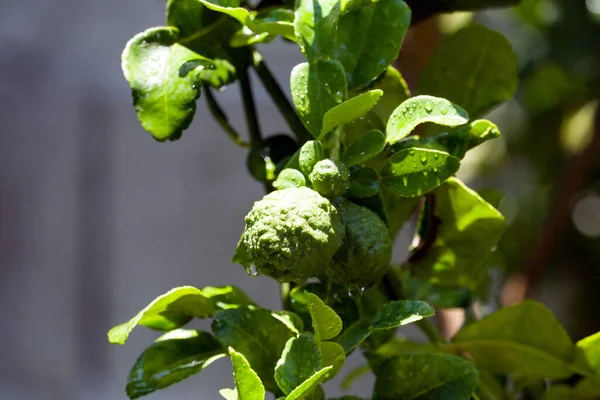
<point>221,118</point>
<point>249,106</point>
<point>279,97</point>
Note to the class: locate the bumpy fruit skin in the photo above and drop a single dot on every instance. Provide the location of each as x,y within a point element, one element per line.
<point>330,178</point>
<point>292,234</point>
<point>366,252</point>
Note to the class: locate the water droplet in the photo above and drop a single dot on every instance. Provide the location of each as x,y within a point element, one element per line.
<point>253,271</point>
<point>436,155</point>
<point>355,291</point>
<point>444,111</point>
<point>338,97</point>
<point>405,180</point>
<point>424,158</point>
<point>411,152</point>
<point>428,107</point>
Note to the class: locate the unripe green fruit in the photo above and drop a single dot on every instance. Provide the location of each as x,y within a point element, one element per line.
<point>292,234</point>
<point>330,178</point>
<point>311,153</point>
<point>366,252</point>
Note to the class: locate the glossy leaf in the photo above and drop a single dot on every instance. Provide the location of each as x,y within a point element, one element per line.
<point>315,25</point>
<point>229,7</point>
<point>171,359</point>
<point>364,182</point>
<point>413,172</point>
<point>276,21</point>
<point>247,382</point>
<point>164,78</point>
<point>588,355</point>
<point>168,311</point>
<point>525,339</point>
<point>480,131</point>
<point>475,67</point>
<point>225,297</point>
<point>420,109</point>
<point>332,354</point>
<point>391,315</point>
<point>366,52</point>
<point>348,111</point>
<point>300,360</point>
<point>424,375</point>
<point>258,335</point>
<point>395,91</point>
<point>311,153</point>
<point>246,37</point>
<point>326,323</point>
<point>289,178</point>
<point>365,147</point>
<point>470,229</point>
<point>317,88</point>
<point>309,385</point>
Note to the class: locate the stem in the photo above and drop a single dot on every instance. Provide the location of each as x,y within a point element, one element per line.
<point>221,118</point>
<point>249,107</point>
<point>279,98</point>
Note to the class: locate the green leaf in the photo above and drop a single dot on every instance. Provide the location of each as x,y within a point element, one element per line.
<point>480,131</point>
<point>490,388</point>
<point>276,21</point>
<point>390,315</point>
<point>525,339</point>
<point>172,359</point>
<point>424,375</point>
<point>301,359</point>
<point>476,68</point>
<point>437,296</point>
<point>364,182</point>
<point>413,172</point>
<point>395,91</point>
<point>317,88</point>
<point>365,147</point>
<point>289,178</point>
<point>164,77</point>
<point>420,109</point>
<point>315,25</point>
<point>225,297</point>
<point>326,323</point>
<point>309,385</point>
<point>229,7</point>
<point>587,389</point>
<point>247,382</point>
<point>258,335</point>
<point>348,111</point>
<point>332,354</point>
<point>246,37</point>
<point>469,230</point>
<point>168,311</point>
<point>366,52</point>
<point>588,356</point>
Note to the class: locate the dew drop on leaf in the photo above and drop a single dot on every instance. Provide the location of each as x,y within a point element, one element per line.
<point>428,107</point>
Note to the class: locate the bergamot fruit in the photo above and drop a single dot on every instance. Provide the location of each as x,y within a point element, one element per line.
<point>330,178</point>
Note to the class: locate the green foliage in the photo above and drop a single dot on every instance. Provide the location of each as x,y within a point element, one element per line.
<point>339,193</point>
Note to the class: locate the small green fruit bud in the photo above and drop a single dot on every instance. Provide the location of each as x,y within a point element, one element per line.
<point>330,178</point>
<point>310,153</point>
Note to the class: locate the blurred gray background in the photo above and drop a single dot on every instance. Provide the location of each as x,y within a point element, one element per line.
<point>96,218</point>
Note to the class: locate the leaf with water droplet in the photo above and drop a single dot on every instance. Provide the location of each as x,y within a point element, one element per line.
<point>350,110</point>
<point>164,88</point>
<point>166,312</point>
<point>326,323</point>
<point>448,377</point>
<point>473,54</point>
<point>401,124</point>
<point>366,53</point>
<point>315,26</point>
<point>243,328</point>
<point>289,178</point>
<point>364,148</point>
<point>332,354</point>
<point>172,358</point>
<point>404,176</point>
<point>309,385</point>
<point>300,360</point>
<point>364,182</point>
<point>247,382</point>
<point>311,98</point>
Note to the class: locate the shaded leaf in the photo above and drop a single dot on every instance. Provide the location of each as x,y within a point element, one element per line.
<point>420,109</point>
<point>470,228</point>
<point>437,296</point>
<point>416,171</point>
<point>289,178</point>
<point>366,53</point>
<point>315,25</point>
<point>525,339</point>
<point>490,388</point>
<point>475,67</point>
<point>164,78</point>
<point>171,359</point>
<point>225,297</point>
<point>332,354</point>
<point>309,385</point>
<point>326,323</point>
<point>300,360</point>
<point>395,91</point>
<point>365,147</point>
<point>168,311</point>
<point>349,110</point>
<point>588,353</point>
<point>258,335</point>
<point>364,182</point>
<point>424,375</point>
<point>247,383</point>
<point>276,21</point>
<point>317,88</point>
